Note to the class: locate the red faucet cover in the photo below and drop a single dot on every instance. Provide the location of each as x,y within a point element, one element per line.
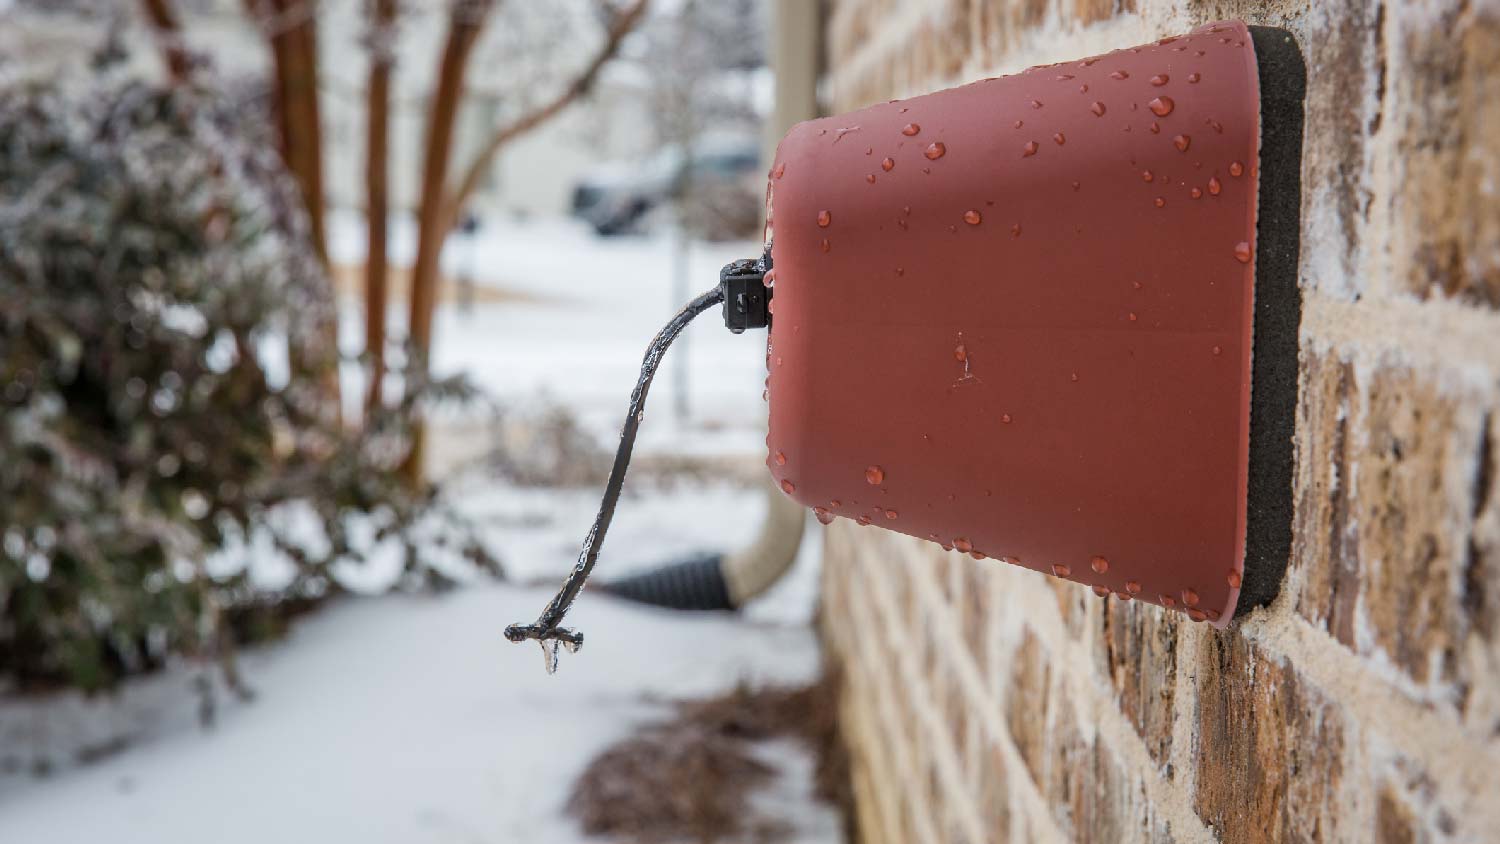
<point>1015,317</point>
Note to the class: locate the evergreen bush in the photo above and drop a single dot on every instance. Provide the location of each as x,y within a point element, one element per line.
<point>165,404</point>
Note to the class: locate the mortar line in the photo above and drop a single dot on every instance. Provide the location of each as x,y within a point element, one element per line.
<point>1436,333</point>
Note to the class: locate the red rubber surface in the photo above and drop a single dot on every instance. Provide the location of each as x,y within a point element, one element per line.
<point>1100,412</point>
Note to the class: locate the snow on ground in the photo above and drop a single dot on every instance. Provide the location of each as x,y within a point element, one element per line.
<point>591,305</point>
<point>409,718</point>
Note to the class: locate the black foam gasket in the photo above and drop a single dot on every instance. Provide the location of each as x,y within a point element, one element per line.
<point>1278,312</point>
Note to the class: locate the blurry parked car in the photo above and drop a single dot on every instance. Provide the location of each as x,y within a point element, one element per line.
<point>723,184</point>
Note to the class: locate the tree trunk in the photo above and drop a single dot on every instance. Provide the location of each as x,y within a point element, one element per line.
<point>433,221</point>
<point>621,26</point>
<point>294,42</point>
<point>377,168</point>
<point>291,29</point>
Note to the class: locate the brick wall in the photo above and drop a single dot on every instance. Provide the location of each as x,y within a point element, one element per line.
<point>984,702</point>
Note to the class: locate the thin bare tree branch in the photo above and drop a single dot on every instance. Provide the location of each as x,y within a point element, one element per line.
<point>464,23</point>
<point>624,22</point>
<point>291,30</point>
<point>167,28</point>
<point>377,194</point>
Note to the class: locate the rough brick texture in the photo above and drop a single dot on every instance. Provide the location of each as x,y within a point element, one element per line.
<point>988,703</point>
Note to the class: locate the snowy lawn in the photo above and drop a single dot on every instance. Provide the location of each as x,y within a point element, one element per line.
<point>410,718</point>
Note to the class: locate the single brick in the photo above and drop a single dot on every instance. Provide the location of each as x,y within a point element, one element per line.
<point>1394,823</point>
<point>974,608</point>
<point>1093,11</point>
<point>1325,538</point>
<point>1270,748</point>
<point>1026,702</point>
<point>1445,107</point>
<point>1064,769</point>
<point>1413,501</point>
<point>1102,806</point>
<point>1140,643</point>
<point>994,794</point>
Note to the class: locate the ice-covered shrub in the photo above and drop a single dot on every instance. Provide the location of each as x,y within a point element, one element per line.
<point>165,389</point>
